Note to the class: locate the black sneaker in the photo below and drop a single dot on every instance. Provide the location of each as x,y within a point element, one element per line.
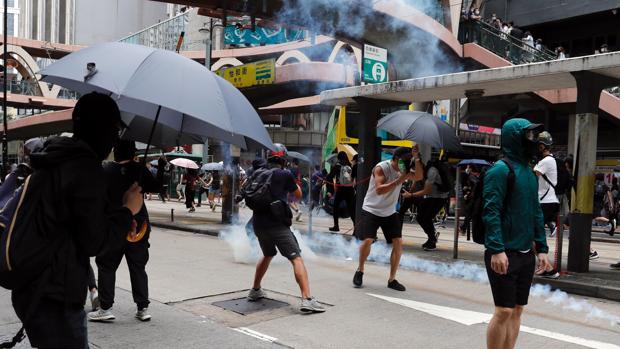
<point>395,285</point>
<point>334,229</point>
<point>358,278</point>
<point>615,266</point>
<point>430,246</point>
<point>550,274</point>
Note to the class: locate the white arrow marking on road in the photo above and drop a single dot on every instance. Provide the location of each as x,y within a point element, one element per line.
<point>468,317</point>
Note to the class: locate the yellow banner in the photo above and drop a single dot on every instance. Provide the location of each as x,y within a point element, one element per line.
<point>251,74</point>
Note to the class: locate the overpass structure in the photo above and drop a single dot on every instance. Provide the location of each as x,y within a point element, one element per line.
<point>589,75</point>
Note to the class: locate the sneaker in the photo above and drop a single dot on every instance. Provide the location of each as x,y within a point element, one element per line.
<point>395,285</point>
<point>94,300</point>
<point>358,279</point>
<point>550,274</point>
<point>199,205</point>
<point>143,314</point>
<point>615,266</point>
<point>612,227</point>
<point>298,217</point>
<point>101,315</point>
<point>429,246</point>
<point>311,305</point>
<point>553,232</point>
<point>255,295</point>
<point>192,210</point>
<point>334,229</point>
<point>593,255</point>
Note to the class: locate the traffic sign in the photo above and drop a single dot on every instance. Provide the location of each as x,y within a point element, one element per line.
<point>375,64</point>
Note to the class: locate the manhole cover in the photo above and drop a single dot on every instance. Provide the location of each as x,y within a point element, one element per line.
<point>244,307</point>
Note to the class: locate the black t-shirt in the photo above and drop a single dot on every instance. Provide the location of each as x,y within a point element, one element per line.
<point>282,183</point>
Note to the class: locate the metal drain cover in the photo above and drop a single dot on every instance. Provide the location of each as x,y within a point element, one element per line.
<point>244,307</point>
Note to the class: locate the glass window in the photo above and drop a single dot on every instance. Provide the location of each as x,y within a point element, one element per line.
<point>11,3</point>
<point>10,22</point>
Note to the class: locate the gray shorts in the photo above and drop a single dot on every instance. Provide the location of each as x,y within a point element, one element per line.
<point>281,237</point>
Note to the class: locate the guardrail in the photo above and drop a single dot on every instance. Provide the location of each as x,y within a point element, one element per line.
<point>22,87</point>
<point>163,35</point>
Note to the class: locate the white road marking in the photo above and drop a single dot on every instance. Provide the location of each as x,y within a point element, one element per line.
<point>255,334</point>
<point>468,317</point>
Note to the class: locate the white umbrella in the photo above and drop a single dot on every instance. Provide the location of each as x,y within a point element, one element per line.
<point>213,166</point>
<point>187,163</point>
<point>180,95</point>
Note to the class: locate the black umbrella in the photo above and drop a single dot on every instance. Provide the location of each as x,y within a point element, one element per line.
<point>421,128</point>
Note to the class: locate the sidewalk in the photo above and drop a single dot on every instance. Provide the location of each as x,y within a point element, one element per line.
<point>600,282</point>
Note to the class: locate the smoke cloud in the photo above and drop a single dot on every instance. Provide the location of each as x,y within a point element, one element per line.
<point>246,250</point>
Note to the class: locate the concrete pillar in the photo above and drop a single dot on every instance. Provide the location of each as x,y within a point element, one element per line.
<point>369,148</point>
<point>589,88</point>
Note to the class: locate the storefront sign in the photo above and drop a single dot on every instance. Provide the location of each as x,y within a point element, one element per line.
<point>251,74</point>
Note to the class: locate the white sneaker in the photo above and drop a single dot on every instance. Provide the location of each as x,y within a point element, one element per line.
<point>255,295</point>
<point>101,315</point>
<point>94,300</point>
<point>311,305</point>
<point>143,315</point>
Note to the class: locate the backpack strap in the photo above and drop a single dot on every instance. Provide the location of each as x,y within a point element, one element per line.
<point>510,179</point>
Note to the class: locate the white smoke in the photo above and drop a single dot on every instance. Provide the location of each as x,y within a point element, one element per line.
<point>246,250</point>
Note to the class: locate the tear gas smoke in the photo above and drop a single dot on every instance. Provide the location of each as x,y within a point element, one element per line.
<point>246,250</point>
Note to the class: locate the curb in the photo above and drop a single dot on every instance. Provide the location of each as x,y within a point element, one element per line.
<point>563,283</point>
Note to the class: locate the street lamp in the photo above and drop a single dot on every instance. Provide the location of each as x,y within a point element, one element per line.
<point>5,146</point>
<point>208,32</point>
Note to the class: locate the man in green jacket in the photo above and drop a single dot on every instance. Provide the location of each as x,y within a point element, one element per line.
<point>515,230</point>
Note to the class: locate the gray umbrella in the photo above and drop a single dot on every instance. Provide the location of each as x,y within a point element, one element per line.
<point>421,128</point>
<point>162,86</point>
<point>298,156</point>
<point>213,166</point>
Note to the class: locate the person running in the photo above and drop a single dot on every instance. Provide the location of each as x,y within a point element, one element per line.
<point>515,231</point>
<point>435,195</point>
<point>341,175</point>
<point>120,175</point>
<point>379,210</point>
<point>272,228</point>
<point>74,204</point>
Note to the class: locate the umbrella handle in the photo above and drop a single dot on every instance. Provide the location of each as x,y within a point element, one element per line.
<point>148,145</point>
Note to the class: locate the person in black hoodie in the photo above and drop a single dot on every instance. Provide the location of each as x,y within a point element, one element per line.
<point>121,174</point>
<point>74,206</point>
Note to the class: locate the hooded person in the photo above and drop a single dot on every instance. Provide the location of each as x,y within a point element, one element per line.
<point>72,204</point>
<point>120,175</point>
<point>515,231</point>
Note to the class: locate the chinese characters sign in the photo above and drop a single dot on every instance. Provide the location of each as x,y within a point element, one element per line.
<point>251,74</point>
<point>374,64</point>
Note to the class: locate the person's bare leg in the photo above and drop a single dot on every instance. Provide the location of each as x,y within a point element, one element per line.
<point>364,252</point>
<point>513,327</point>
<point>301,276</point>
<point>497,331</point>
<point>261,269</point>
<point>397,252</point>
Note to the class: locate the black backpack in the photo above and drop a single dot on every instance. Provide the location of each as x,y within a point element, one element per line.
<point>445,173</point>
<point>257,190</point>
<point>478,226</point>
<point>564,178</point>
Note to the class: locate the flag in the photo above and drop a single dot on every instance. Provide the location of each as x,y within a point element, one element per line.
<point>330,141</point>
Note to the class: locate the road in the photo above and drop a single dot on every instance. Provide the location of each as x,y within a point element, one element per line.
<point>189,272</point>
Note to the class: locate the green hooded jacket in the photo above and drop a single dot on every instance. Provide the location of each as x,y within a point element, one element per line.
<point>520,224</point>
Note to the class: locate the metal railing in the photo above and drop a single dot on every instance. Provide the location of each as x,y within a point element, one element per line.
<point>506,46</point>
<point>163,35</point>
<point>22,87</point>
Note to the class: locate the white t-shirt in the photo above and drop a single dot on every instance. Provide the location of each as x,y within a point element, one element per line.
<point>548,167</point>
<point>382,205</point>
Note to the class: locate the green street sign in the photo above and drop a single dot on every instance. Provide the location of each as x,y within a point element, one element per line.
<point>374,64</point>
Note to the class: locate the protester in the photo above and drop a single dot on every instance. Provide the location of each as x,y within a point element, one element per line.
<point>120,175</point>
<point>214,189</point>
<point>469,190</point>
<point>272,228</point>
<point>411,186</point>
<point>181,186</point>
<point>191,177</point>
<point>93,292</point>
<point>511,246</point>
<point>379,210</point>
<point>547,172</point>
<point>436,193</point>
<point>74,203</point>
<point>316,183</point>
<point>341,175</point>
<point>163,177</point>
<point>203,186</point>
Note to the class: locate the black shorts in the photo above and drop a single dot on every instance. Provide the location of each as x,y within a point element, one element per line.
<point>550,212</point>
<point>281,237</point>
<point>370,223</point>
<point>513,288</point>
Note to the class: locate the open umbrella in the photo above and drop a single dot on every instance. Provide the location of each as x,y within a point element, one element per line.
<point>421,128</point>
<point>213,166</point>
<point>479,162</point>
<point>298,156</point>
<point>186,163</point>
<point>181,96</point>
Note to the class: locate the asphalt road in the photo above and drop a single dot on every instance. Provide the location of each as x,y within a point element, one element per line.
<point>188,273</point>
